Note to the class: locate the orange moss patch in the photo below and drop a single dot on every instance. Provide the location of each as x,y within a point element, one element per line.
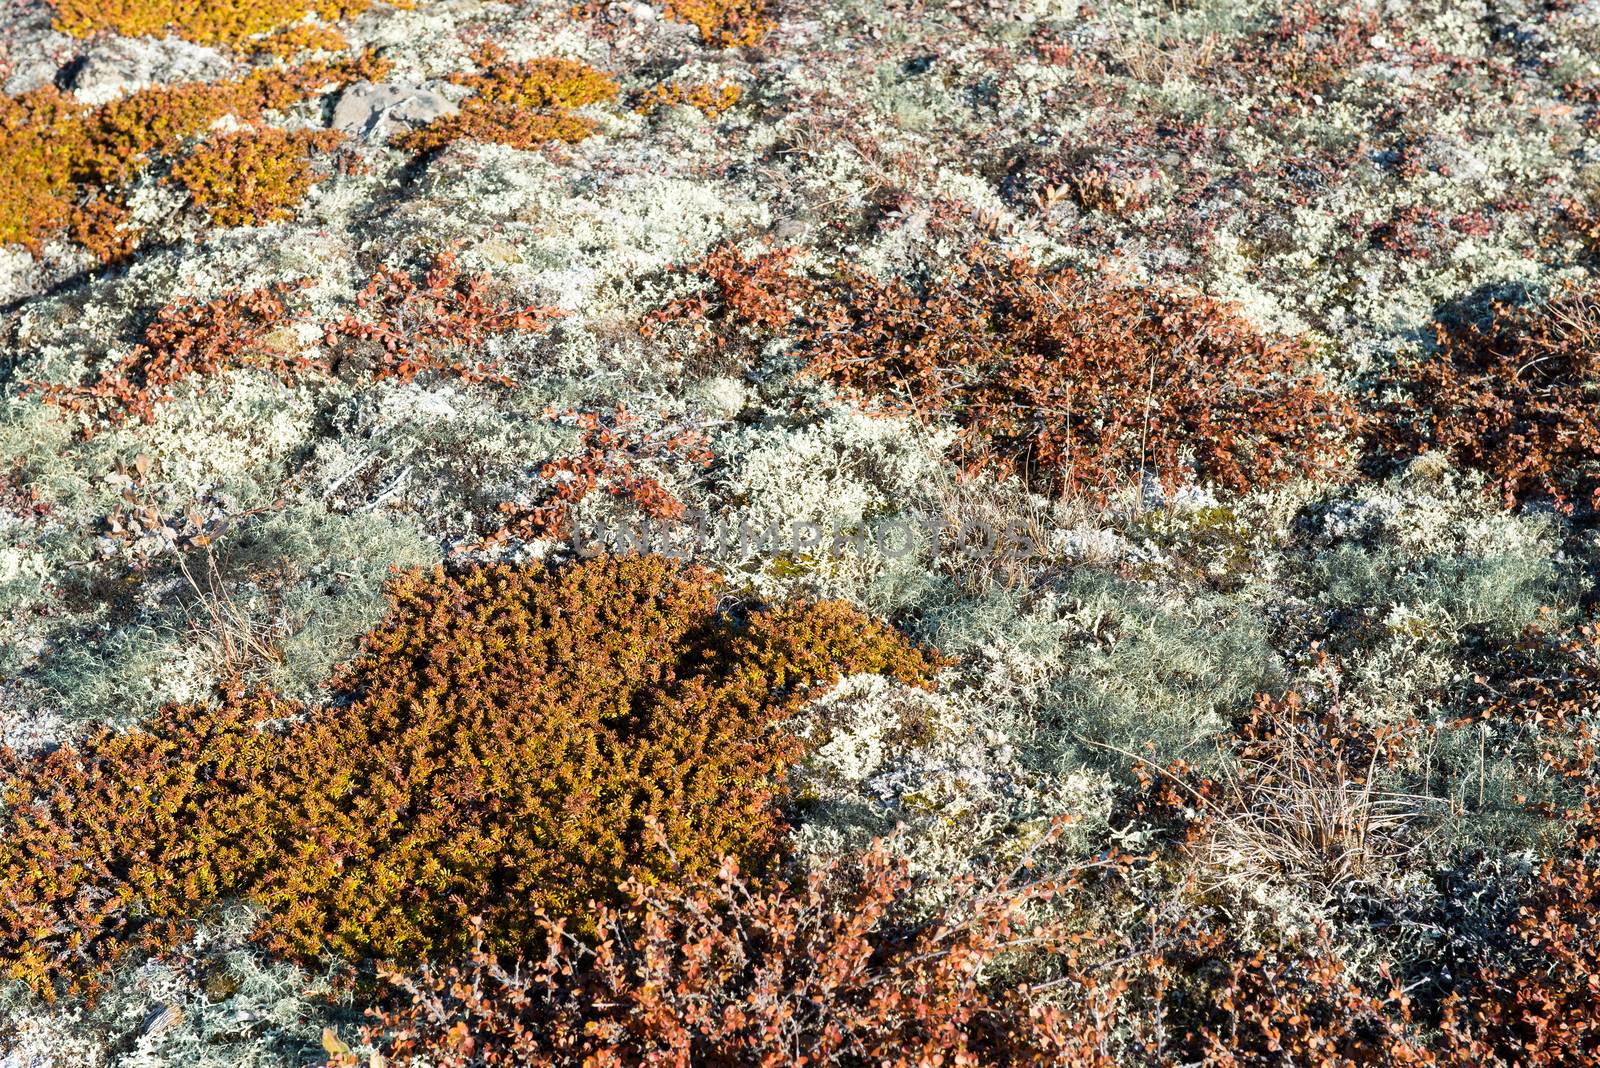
<point>56,155</point>
<point>712,100</point>
<point>724,23</point>
<point>1515,395</point>
<point>509,741</point>
<point>1080,387</point>
<point>224,22</point>
<point>184,340</point>
<point>440,322</point>
<point>254,176</point>
<point>518,104</point>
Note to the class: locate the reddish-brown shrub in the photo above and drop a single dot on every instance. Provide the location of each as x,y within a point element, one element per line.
<point>1512,395</point>
<point>184,340</point>
<point>833,972</point>
<point>1541,1008</point>
<point>1081,387</point>
<point>498,750</point>
<point>440,322</point>
<point>608,458</point>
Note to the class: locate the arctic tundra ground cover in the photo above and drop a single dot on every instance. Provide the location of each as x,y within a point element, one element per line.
<point>735,532</point>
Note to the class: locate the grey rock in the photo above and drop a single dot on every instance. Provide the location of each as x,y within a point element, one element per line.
<point>32,51</point>
<point>120,65</point>
<point>376,111</point>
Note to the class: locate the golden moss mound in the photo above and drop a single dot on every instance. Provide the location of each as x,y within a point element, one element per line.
<point>509,740</point>
<point>523,105</point>
<point>62,164</point>
<point>724,23</point>
<point>224,22</point>
<point>254,176</point>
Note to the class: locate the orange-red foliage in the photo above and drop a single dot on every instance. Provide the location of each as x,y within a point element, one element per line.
<point>1514,396</point>
<point>440,322</point>
<point>1078,386</point>
<point>831,973</point>
<point>608,459</point>
<point>189,338</point>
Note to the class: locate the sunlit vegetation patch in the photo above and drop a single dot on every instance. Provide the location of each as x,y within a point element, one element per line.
<point>710,100</point>
<point>835,971</point>
<point>63,165</point>
<point>1512,393</point>
<point>402,327</point>
<point>724,23</point>
<point>217,22</point>
<point>254,176</point>
<point>522,105</point>
<point>508,741</point>
<point>1081,387</point>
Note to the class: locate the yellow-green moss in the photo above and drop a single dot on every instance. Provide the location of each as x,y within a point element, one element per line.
<point>61,163</point>
<point>724,23</point>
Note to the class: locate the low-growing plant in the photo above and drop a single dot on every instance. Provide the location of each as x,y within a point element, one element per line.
<point>522,105</point>
<point>1079,387</point>
<point>439,322</point>
<point>1512,394</point>
<point>187,339</point>
<point>724,23</point>
<point>225,22</point>
<point>609,459</point>
<point>711,100</point>
<point>497,750</point>
<point>837,971</point>
<point>254,176</point>
<point>63,165</point>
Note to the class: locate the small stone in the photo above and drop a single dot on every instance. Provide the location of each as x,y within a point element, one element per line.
<point>377,111</point>
<point>121,65</point>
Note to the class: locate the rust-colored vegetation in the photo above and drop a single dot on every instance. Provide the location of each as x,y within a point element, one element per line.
<point>509,741</point>
<point>62,165</point>
<point>439,322</point>
<point>523,105</point>
<point>833,972</point>
<point>187,339</point>
<point>724,23</point>
<point>1512,394</point>
<point>254,176</point>
<point>610,458</point>
<point>215,22</point>
<point>1079,387</point>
